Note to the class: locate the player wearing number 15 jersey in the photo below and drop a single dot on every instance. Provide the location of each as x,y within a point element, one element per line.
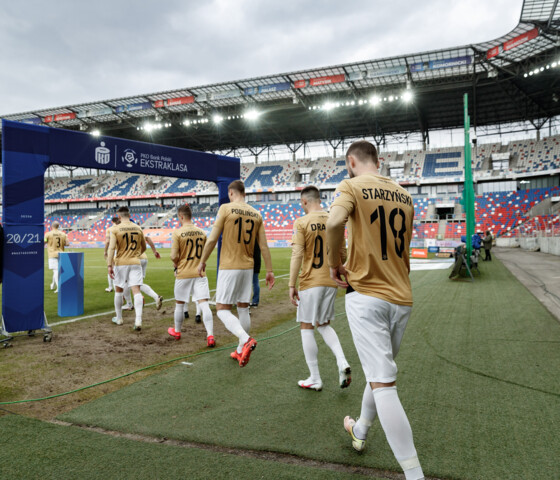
<point>187,243</point>
<point>56,241</point>
<point>240,225</point>
<point>379,213</point>
<point>127,240</point>
<point>317,290</point>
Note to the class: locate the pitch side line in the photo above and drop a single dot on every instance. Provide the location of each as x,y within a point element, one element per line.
<point>77,319</point>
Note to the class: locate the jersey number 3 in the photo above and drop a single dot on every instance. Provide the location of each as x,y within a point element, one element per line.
<point>379,214</point>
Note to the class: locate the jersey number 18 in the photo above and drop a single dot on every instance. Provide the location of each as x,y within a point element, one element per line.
<point>379,214</point>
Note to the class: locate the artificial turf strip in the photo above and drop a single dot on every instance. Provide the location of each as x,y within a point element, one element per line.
<point>33,449</point>
<point>478,378</point>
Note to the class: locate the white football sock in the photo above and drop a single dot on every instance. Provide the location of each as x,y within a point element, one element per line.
<point>127,295</point>
<point>244,318</point>
<point>367,415</point>
<point>138,307</point>
<point>231,322</point>
<point>55,278</point>
<point>245,321</point>
<point>331,339</point>
<point>207,317</point>
<point>186,307</point>
<point>110,281</point>
<point>148,291</point>
<point>311,351</point>
<point>397,429</point>
<point>178,317</point>
<point>198,310</point>
<point>118,304</point>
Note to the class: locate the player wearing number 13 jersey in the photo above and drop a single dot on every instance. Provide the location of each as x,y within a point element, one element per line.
<point>240,225</point>
<point>379,214</point>
<point>187,243</point>
<point>317,290</point>
<point>126,245</point>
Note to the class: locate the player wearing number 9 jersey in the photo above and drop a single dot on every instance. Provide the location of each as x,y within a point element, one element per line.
<point>187,243</point>
<point>317,290</point>
<point>379,298</point>
<point>127,240</point>
<point>240,224</point>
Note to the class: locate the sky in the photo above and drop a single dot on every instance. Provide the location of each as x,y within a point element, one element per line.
<point>67,52</point>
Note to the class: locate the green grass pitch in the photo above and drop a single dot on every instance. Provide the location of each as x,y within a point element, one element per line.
<point>478,377</point>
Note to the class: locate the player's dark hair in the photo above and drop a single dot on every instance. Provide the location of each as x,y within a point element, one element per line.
<point>311,192</point>
<point>115,219</point>
<point>238,186</point>
<point>185,210</point>
<point>364,151</point>
<point>124,211</point>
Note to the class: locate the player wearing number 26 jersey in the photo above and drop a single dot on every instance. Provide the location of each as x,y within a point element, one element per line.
<point>317,290</point>
<point>187,243</point>
<point>379,214</point>
<point>240,224</point>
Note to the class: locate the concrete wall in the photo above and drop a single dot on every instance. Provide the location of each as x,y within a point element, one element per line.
<point>544,244</point>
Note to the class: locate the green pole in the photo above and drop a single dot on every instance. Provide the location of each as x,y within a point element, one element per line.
<point>468,191</point>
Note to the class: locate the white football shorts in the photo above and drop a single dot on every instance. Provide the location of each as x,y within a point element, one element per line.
<point>197,287</point>
<point>377,329</point>
<point>144,265</point>
<point>234,286</point>
<point>53,263</point>
<point>316,305</point>
<point>131,274</point>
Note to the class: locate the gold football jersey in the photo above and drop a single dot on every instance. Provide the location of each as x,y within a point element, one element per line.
<point>379,233</point>
<point>127,240</point>
<point>240,224</point>
<point>187,242</point>
<point>56,241</point>
<point>310,232</point>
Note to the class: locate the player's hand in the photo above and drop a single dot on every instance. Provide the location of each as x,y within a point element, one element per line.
<point>337,273</point>
<point>105,255</point>
<point>269,280</point>
<point>111,272</point>
<point>294,297</point>
<point>201,269</point>
<point>156,254</point>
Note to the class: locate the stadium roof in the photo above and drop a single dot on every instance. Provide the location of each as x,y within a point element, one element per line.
<point>514,78</point>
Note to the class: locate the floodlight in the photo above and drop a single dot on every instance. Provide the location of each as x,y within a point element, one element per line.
<point>524,75</point>
<point>375,100</point>
<point>252,114</point>
<point>95,133</point>
<point>391,98</point>
<point>407,96</point>
<point>531,73</point>
<point>554,64</point>
<point>328,106</point>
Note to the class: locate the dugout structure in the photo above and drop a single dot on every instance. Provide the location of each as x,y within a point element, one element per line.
<point>27,152</point>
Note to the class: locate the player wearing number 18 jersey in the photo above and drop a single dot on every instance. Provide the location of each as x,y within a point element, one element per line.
<point>127,240</point>
<point>187,243</point>
<point>379,213</point>
<point>317,290</point>
<point>240,224</point>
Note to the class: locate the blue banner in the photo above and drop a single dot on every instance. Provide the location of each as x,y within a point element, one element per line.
<point>133,107</point>
<point>450,62</point>
<point>70,284</point>
<point>32,120</point>
<point>27,151</point>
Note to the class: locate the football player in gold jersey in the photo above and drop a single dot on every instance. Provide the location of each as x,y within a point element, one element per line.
<point>56,241</point>
<point>317,290</point>
<point>115,221</point>
<point>126,246</point>
<point>240,224</point>
<point>186,250</point>
<point>379,213</point>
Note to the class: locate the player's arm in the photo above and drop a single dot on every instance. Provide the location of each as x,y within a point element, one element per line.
<point>111,255</point>
<point>211,242</point>
<point>150,242</point>
<point>142,242</point>
<point>66,241</point>
<point>295,266</point>
<point>107,240</point>
<point>335,239</point>
<point>175,250</point>
<point>265,252</point>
